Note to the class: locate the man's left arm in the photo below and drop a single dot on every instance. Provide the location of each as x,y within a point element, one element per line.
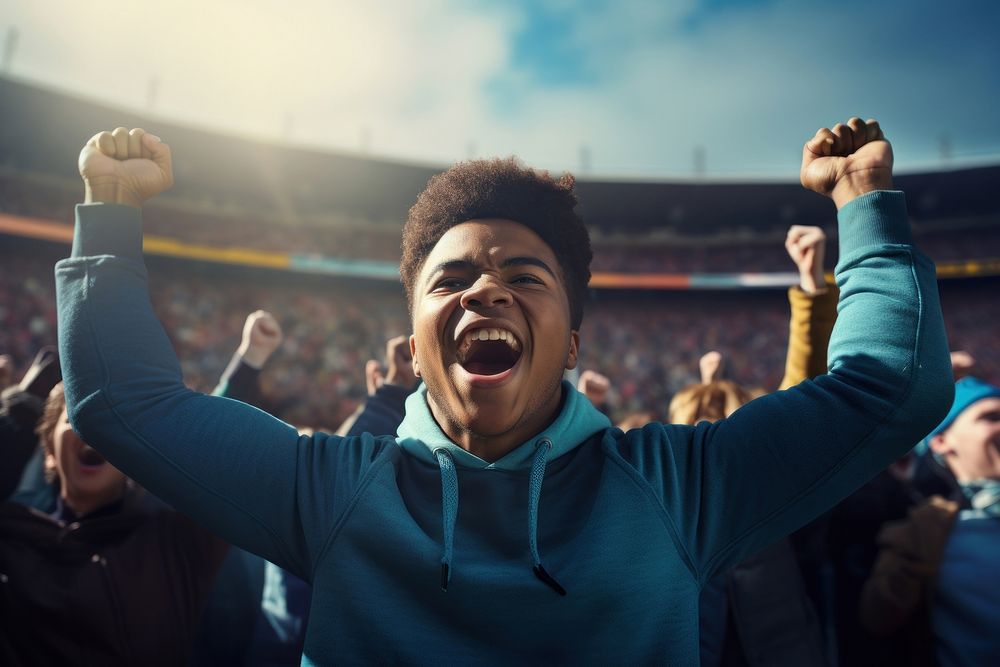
<point>732,487</point>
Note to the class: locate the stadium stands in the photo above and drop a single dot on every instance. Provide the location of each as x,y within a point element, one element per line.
<point>283,201</point>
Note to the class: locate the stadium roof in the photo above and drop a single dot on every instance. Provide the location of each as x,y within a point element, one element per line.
<point>41,131</point>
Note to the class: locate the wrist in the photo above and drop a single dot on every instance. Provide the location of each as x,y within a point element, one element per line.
<point>812,282</point>
<point>253,357</point>
<point>110,191</point>
<point>398,381</point>
<point>854,184</point>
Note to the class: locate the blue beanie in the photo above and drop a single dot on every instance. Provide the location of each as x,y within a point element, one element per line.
<point>968,390</point>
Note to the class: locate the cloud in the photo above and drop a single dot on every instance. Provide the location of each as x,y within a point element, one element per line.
<point>398,69</point>
<point>752,83</point>
<point>640,84</point>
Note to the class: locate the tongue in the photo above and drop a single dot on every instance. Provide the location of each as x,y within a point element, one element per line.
<point>489,358</point>
<point>485,367</point>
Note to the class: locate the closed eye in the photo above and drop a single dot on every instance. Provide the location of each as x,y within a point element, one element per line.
<point>527,279</point>
<point>450,283</point>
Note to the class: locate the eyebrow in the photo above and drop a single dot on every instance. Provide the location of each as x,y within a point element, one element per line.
<point>466,265</point>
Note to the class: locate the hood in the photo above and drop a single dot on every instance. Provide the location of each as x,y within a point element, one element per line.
<point>420,435</point>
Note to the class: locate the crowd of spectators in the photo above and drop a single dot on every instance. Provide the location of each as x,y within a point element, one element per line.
<point>721,251</point>
<point>648,343</point>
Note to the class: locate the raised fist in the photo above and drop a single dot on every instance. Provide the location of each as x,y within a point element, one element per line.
<point>261,337</point>
<point>125,167</point>
<point>807,248</point>
<point>374,376</point>
<point>399,362</point>
<point>6,370</point>
<point>43,374</point>
<point>962,364</point>
<point>847,161</point>
<point>594,386</point>
<point>710,366</point>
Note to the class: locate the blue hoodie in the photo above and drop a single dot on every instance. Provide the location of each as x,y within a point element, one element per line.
<point>582,545</point>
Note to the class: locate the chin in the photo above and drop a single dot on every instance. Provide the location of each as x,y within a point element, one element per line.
<point>489,421</point>
<point>99,488</point>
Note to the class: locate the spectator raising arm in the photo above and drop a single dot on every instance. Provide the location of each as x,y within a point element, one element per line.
<point>813,305</point>
<point>261,337</point>
<point>385,406</point>
<point>20,409</point>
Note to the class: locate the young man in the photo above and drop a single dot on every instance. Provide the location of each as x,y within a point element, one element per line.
<point>507,521</point>
<point>935,584</point>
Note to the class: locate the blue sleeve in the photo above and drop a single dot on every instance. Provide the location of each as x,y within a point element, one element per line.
<point>383,412</point>
<point>731,488</point>
<point>247,476</point>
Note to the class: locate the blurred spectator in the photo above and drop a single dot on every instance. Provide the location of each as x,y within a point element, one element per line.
<point>256,613</point>
<point>758,612</point>
<point>105,576</point>
<point>6,370</point>
<point>935,580</point>
<point>962,364</point>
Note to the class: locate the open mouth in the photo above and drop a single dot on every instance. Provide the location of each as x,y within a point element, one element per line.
<point>488,351</point>
<point>90,458</point>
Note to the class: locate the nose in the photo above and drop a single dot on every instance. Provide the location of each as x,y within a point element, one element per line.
<point>487,292</point>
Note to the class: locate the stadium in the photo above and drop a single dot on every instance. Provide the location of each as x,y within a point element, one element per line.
<point>802,529</point>
<point>313,236</point>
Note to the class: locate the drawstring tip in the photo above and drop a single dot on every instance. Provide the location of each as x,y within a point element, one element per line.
<point>445,576</point>
<point>547,579</point>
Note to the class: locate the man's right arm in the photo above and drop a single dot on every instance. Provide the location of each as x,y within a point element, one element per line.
<point>242,473</point>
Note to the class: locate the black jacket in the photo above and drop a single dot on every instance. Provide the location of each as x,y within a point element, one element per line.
<point>124,587</point>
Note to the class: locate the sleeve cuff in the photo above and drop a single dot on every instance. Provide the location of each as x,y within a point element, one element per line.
<point>875,218</point>
<point>107,229</point>
<point>394,395</point>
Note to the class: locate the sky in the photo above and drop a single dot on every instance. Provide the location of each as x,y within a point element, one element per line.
<point>603,88</point>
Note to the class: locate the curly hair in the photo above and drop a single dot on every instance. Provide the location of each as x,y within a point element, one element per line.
<point>501,188</point>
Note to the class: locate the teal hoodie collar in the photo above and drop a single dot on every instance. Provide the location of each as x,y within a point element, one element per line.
<point>420,436</point>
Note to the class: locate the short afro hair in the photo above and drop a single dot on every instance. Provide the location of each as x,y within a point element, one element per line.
<point>506,189</point>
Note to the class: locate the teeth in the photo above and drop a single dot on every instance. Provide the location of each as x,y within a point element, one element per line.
<point>488,334</point>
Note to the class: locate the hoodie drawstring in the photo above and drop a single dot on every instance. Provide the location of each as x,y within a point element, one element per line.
<point>449,502</point>
<point>449,510</point>
<point>542,448</point>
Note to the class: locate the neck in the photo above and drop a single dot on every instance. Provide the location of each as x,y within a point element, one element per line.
<point>493,447</point>
<point>82,506</point>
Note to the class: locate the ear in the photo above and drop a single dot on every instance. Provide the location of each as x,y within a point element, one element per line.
<point>574,350</point>
<point>413,355</point>
<point>50,465</point>
<point>939,446</point>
